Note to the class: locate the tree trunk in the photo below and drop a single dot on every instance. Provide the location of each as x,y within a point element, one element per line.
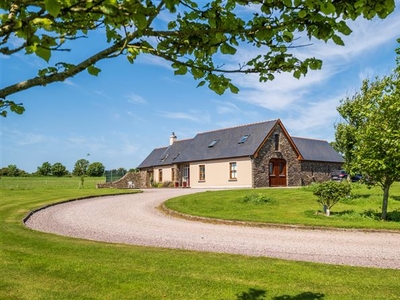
<point>385,201</point>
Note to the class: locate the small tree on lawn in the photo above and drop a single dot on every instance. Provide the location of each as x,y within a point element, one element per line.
<point>80,169</point>
<point>331,192</point>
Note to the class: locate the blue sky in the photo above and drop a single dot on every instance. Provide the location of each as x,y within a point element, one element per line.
<point>128,110</point>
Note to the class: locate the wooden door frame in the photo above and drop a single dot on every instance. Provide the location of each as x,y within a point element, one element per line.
<point>280,177</point>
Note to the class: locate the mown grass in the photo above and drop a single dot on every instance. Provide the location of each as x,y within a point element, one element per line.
<point>37,265</point>
<point>293,206</point>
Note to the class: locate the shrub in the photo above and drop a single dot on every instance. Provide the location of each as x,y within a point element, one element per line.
<point>331,192</point>
<point>258,198</point>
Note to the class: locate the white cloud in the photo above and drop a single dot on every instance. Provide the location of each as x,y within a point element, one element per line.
<point>192,115</point>
<point>22,138</point>
<point>287,93</point>
<point>225,107</point>
<point>135,99</point>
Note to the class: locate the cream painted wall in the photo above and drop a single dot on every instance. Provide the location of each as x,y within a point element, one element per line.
<point>217,174</point>
<point>166,173</point>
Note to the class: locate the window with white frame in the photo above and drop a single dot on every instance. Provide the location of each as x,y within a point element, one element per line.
<point>233,171</point>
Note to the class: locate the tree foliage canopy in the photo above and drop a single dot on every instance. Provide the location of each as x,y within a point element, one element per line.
<point>369,137</point>
<point>95,169</point>
<point>331,192</point>
<point>80,167</point>
<point>191,41</point>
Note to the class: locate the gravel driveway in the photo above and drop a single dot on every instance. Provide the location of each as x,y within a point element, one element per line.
<point>134,219</point>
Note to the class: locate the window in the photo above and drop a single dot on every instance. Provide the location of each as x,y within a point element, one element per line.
<point>202,172</point>
<point>232,170</point>
<point>173,174</point>
<point>164,157</point>
<point>281,169</point>
<point>277,142</point>
<point>271,168</point>
<point>244,138</point>
<point>160,175</point>
<point>212,144</point>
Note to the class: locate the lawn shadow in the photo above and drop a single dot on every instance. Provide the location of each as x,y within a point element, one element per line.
<point>302,296</point>
<point>361,196</point>
<point>343,212</point>
<point>252,294</point>
<point>395,198</point>
<point>257,294</point>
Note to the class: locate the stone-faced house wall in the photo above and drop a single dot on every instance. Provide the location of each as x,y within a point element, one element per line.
<point>267,152</point>
<point>312,171</point>
<point>298,173</point>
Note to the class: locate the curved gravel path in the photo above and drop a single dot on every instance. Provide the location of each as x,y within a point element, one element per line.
<point>134,219</point>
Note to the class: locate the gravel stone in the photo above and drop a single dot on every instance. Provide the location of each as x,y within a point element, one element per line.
<point>134,219</point>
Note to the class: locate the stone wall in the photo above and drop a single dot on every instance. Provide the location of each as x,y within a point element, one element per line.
<point>298,173</point>
<point>135,180</point>
<point>316,171</point>
<point>285,151</point>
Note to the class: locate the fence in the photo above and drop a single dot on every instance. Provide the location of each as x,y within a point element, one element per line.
<point>114,175</point>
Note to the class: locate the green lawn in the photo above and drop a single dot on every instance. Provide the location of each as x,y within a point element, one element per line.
<point>293,206</point>
<point>35,265</point>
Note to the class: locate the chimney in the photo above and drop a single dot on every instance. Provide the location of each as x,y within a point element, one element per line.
<point>172,138</point>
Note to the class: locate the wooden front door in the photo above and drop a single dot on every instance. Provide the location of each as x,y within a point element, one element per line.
<point>277,172</point>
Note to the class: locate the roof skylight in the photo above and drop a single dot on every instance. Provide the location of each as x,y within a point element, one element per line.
<point>164,157</point>
<point>212,144</point>
<point>244,138</point>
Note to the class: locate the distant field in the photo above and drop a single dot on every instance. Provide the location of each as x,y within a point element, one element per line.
<point>27,183</point>
<point>36,265</point>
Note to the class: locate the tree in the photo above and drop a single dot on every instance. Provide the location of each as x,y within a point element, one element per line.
<point>96,169</point>
<point>45,169</point>
<point>13,171</point>
<point>370,132</point>
<point>59,170</point>
<point>191,41</point>
<point>331,192</point>
<point>80,169</point>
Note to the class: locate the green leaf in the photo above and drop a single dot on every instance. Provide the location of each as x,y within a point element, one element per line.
<point>53,7</point>
<point>140,21</point>
<point>93,70</point>
<point>338,40</point>
<point>297,74</point>
<point>233,89</point>
<point>201,83</point>
<point>287,36</point>
<point>43,53</point>
<point>180,70</point>
<point>197,73</point>
<point>302,14</point>
<point>227,49</point>
<point>328,8</point>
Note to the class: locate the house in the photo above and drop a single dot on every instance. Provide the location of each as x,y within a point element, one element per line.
<point>255,155</point>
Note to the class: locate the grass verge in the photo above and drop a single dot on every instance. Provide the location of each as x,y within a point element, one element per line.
<point>37,265</point>
<point>293,206</point>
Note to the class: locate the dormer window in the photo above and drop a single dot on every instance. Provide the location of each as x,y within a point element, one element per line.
<point>244,138</point>
<point>212,144</point>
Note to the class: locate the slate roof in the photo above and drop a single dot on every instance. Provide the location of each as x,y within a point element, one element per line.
<point>225,143</point>
<point>165,155</point>
<point>316,150</point>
